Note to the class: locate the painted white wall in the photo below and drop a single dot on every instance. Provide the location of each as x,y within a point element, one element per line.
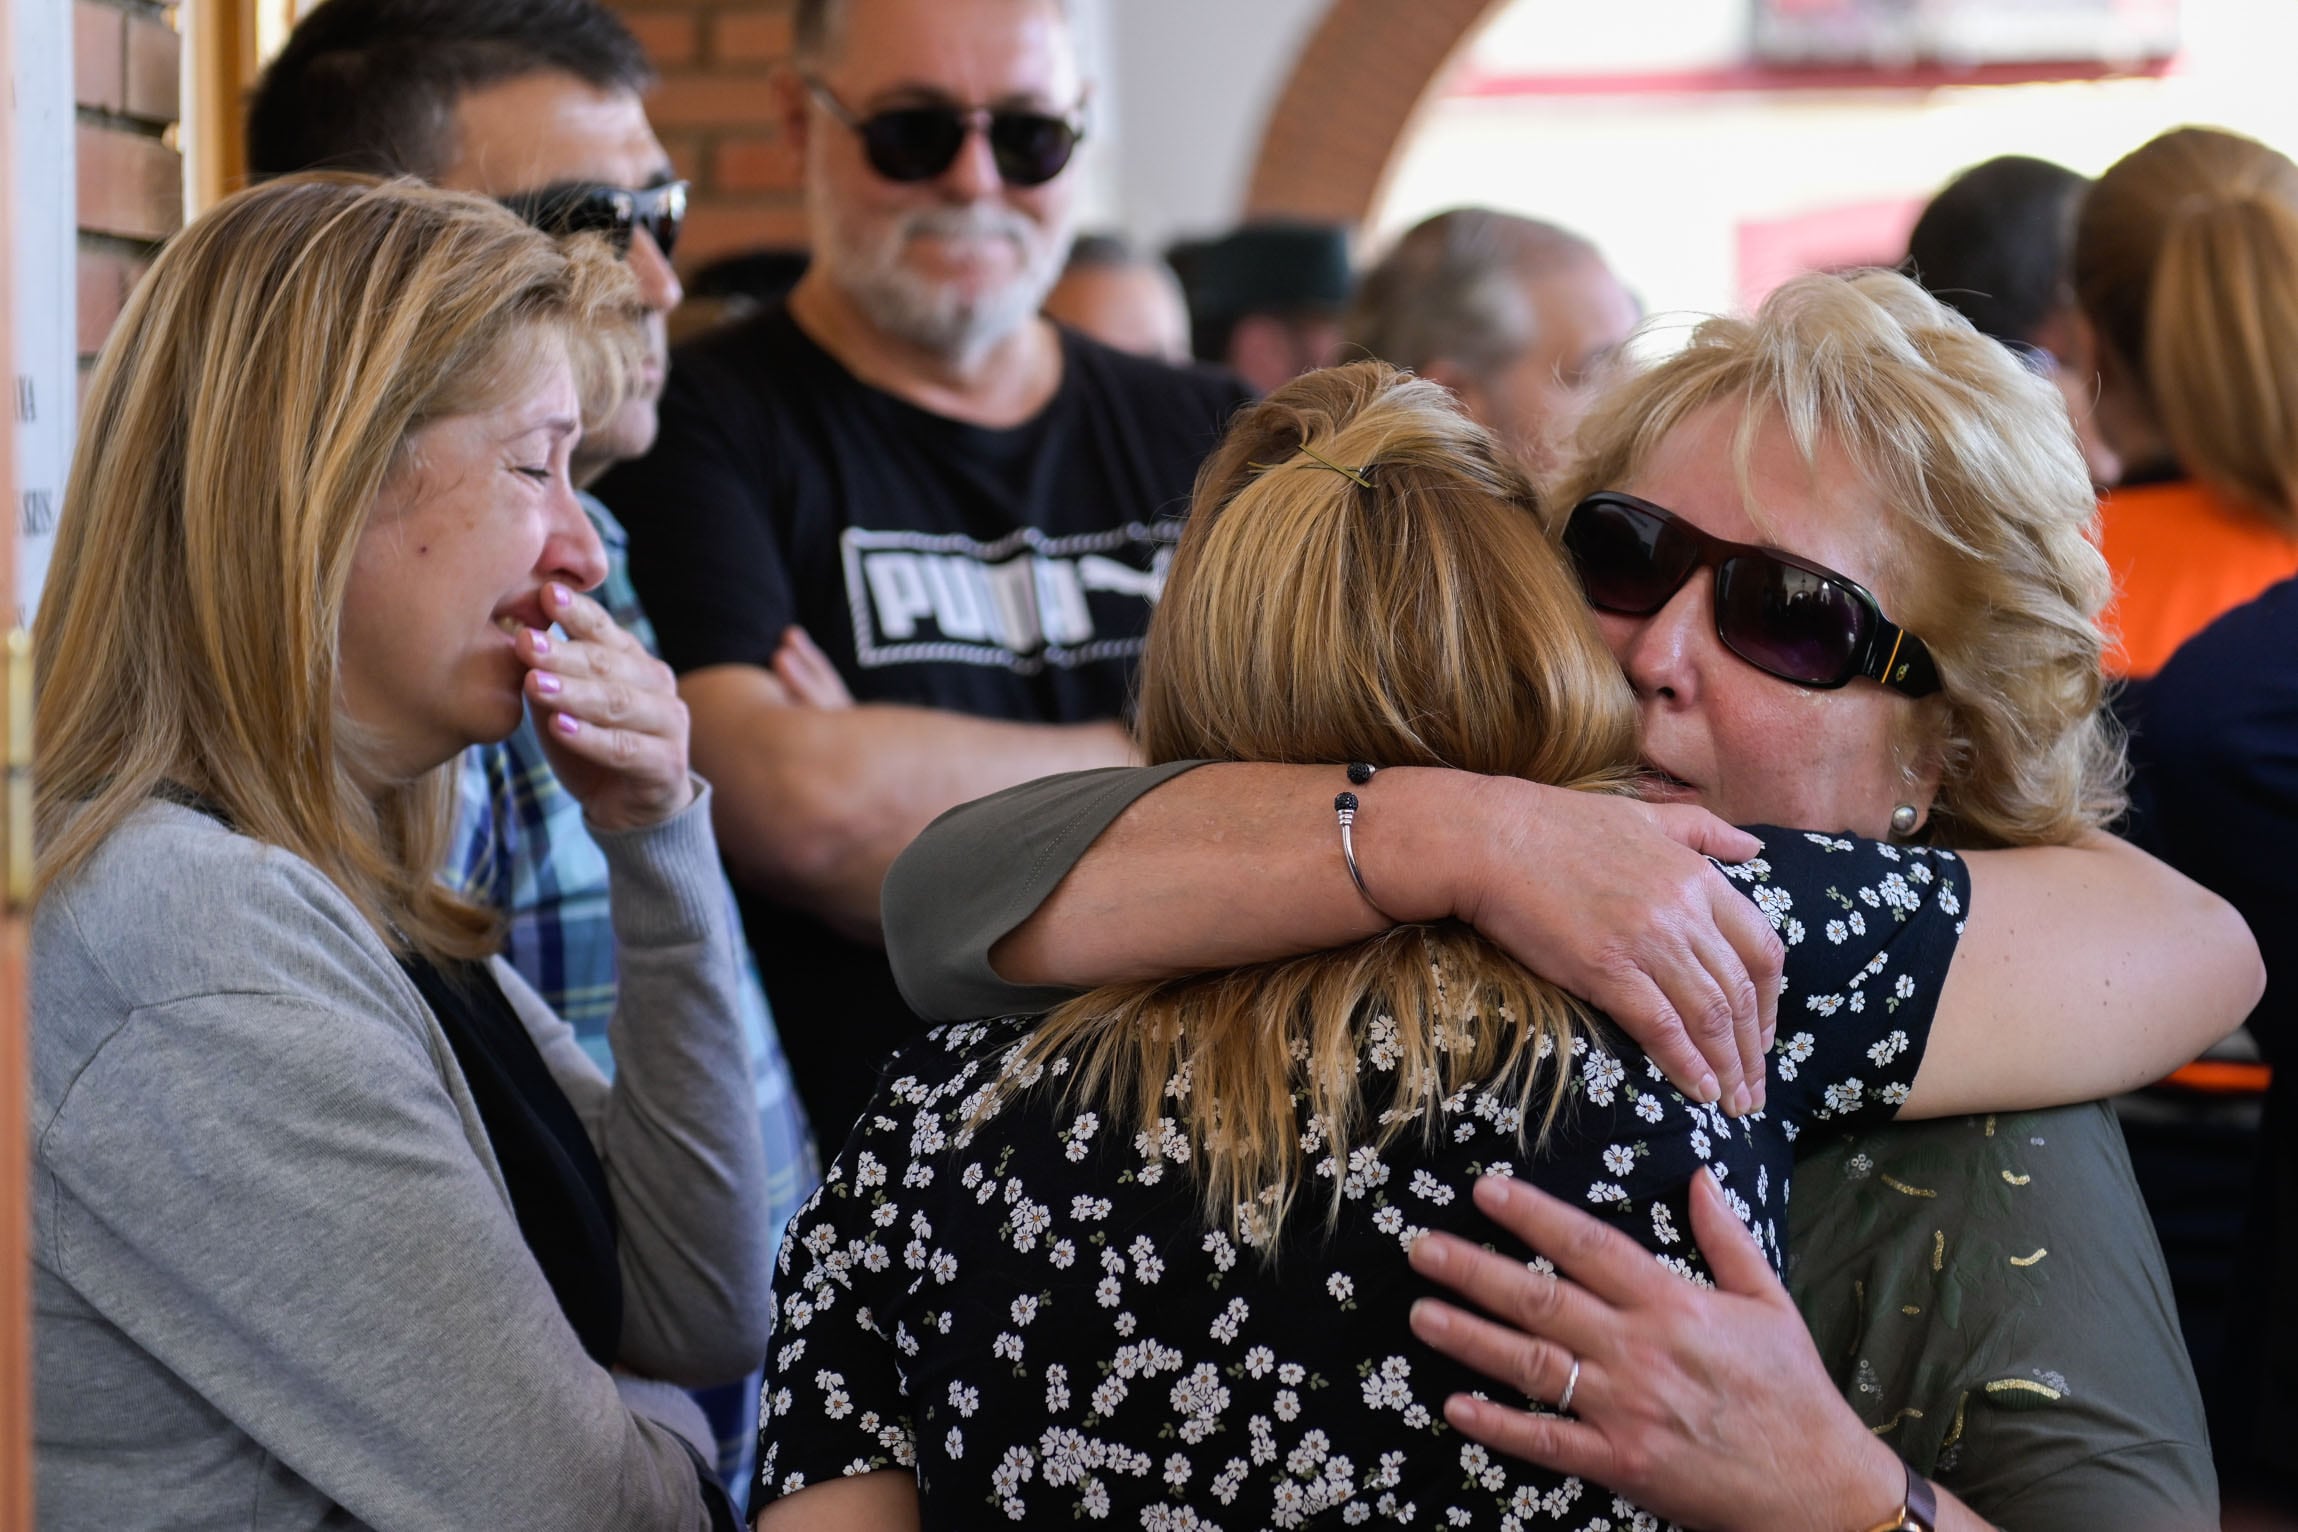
<point>1184,89</point>
<point>36,201</point>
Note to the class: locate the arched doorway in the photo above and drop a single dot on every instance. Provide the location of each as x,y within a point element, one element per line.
<point>1350,103</point>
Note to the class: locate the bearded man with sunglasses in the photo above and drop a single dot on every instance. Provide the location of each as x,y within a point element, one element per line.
<point>908,487</point>
<point>538,103</point>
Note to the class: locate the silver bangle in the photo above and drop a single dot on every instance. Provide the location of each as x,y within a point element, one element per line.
<point>1345,808</point>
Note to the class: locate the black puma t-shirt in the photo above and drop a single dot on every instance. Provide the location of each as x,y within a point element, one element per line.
<point>1001,573</point>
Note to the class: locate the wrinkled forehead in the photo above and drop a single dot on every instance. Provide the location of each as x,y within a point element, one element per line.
<point>977,52</point>
<point>1737,472</point>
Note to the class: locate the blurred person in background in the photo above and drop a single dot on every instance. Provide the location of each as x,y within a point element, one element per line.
<point>1516,316</point>
<point>2186,261</point>
<point>1265,301</point>
<point>906,491</point>
<point>2186,265</point>
<point>1993,245</point>
<point>540,105</point>
<point>1121,299</point>
<point>735,287</point>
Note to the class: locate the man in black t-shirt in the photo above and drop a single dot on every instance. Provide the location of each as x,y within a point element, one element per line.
<point>905,488</point>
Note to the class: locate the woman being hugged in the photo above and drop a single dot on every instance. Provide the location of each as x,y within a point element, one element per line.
<point>1181,1205</point>
<point>335,1221</point>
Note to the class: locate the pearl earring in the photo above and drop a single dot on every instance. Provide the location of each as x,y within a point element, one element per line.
<point>1903,819</point>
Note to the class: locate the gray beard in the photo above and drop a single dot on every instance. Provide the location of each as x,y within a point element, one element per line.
<point>937,319</point>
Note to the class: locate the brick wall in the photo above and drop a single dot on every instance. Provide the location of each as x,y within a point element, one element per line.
<point>1350,104</point>
<point>126,80</point>
<point>715,113</point>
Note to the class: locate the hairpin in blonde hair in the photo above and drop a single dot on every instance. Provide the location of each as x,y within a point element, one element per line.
<point>1359,475</point>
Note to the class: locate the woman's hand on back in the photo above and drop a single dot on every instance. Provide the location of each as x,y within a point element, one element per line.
<point>1615,900</point>
<point>609,715</point>
<point>1709,1406</point>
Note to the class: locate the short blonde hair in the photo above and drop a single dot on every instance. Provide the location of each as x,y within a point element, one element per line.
<point>2186,262</point>
<point>260,385</point>
<point>1419,617</point>
<point>1989,509</point>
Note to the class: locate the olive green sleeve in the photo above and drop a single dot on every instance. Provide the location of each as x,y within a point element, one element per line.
<point>1989,1295</point>
<point>982,869</point>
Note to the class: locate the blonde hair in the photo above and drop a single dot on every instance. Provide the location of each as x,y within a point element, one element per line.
<point>1420,619</point>
<point>262,381</point>
<point>1988,505</point>
<point>2186,262</point>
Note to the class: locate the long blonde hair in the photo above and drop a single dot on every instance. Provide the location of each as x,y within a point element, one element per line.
<point>1988,509</point>
<point>1420,619</point>
<point>258,388</point>
<point>2186,261</point>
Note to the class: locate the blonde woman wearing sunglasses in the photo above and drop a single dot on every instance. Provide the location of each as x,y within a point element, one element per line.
<point>1914,474</point>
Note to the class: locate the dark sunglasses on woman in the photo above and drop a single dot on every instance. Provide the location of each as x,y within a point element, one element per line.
<point>1786,616</point>
<point>587,207</point>
<point>918,143</point>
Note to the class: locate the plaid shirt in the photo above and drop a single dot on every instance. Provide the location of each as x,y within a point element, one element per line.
<point>521,848</point>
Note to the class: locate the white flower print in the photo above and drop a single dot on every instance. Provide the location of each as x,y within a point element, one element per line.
<point>1151,1337</point>
<point>1889,1048</point>
<point>1427,1186</point>
<point>1601,1075</point>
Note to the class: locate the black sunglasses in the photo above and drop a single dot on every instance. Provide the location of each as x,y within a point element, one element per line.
<point>918,143</point>
<point>586,207</point>
<point>1786,616</point>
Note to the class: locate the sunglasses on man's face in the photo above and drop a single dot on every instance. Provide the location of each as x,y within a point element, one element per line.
<point>918,143</point>
<point>585,207</point>
<point>1786,616</point>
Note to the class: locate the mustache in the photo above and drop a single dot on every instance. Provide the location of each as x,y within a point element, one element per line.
<point>977,221</point>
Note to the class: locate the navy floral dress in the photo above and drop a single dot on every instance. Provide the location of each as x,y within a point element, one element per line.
<point>1036,1319</point>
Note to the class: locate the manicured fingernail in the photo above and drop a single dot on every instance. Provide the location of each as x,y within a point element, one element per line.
<point>1709,1090</point>
<point>1430,1316</point>
<point>548,684</point>
<point>1741,1101</point>
<point>566,723</point>
<point>1460,1410</point>
<point>1428,1254</point>
<point>560,595</point>
<point>540,639</point>
<point>1493,1191</point>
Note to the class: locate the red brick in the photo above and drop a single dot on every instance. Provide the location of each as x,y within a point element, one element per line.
<point>155,70</point>
<point>687,156</point>
<point>744,100</point>
<point>716,228</point>
<point>99,56</point>
<point>754,35</point>
<point>671,39</point>
<point>129,185</point>
<point>106,277</point>
<point>762,164</point>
